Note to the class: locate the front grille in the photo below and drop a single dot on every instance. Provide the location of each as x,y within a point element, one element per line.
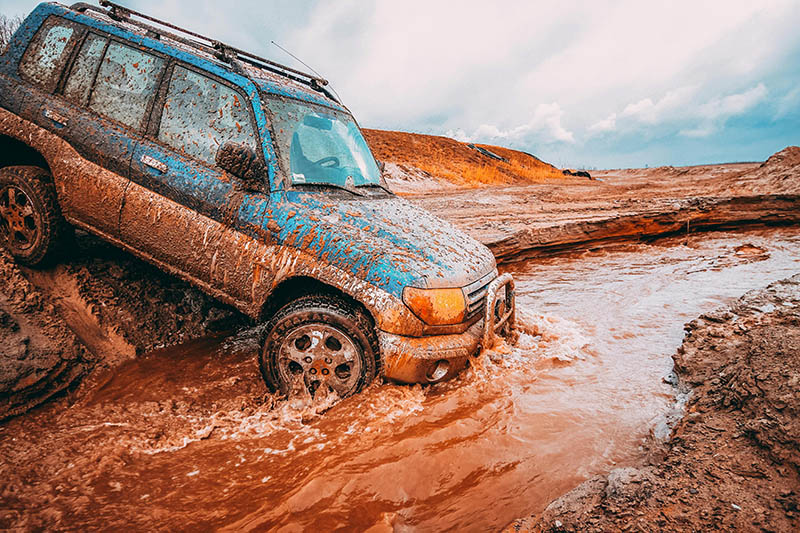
<point>476,295</point>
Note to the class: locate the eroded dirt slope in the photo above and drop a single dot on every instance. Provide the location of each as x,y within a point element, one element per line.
<point>98,307</point>
<point>39,355</point>
<point>518,222</point>
<point>422,163</point>
<point>733,462</point>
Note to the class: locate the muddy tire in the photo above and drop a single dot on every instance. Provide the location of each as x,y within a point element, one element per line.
<point>319,342</point>
<point>32,228</point>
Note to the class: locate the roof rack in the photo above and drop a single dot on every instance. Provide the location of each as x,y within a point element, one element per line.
<point>218,49</point>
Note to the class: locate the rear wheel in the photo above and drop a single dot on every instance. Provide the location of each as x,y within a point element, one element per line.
<point>31,225</point>
<point>320,343</point>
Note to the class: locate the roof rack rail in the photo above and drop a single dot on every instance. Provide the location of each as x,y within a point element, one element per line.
<point>218,49</point>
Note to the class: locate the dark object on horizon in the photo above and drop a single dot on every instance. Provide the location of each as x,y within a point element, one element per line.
<point>579,173</point>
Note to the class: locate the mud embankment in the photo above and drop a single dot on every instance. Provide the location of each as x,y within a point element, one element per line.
<point>518,223</point>
<point>680,216</point>
<point>98,307</point>
<point>39,355</point>
<point>733,461</point>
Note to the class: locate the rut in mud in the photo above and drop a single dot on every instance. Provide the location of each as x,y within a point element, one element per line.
<point>187,436</point>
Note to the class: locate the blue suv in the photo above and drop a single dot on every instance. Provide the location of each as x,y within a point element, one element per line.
<point>248,179</point>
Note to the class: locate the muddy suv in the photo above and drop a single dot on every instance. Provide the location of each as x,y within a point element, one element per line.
<point>246,178</point>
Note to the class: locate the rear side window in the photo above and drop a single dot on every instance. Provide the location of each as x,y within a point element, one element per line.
<point>45,57</point>
<point>84,69</point>
<point>126,84</point>
<point>201,114</point>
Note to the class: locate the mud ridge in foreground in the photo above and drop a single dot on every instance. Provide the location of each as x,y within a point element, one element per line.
<point>96,308</point>
<point>733,461</point>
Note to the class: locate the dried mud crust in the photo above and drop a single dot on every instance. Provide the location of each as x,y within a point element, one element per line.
<point>733,461</point>
<point>39,355</point>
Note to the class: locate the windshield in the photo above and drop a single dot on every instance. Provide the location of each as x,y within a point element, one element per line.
<point>320,145</point>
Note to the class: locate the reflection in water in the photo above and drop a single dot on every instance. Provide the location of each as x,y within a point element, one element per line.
<point>188,436</point>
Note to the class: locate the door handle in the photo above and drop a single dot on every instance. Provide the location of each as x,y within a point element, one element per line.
<point>55,117</point>
<point>154,163</point>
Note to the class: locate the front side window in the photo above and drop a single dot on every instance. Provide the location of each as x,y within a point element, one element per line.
<point>201,114</point>
<point>126,84</point>
<point>83,70</point>
<point>44,59</point>
<point>319,145</point>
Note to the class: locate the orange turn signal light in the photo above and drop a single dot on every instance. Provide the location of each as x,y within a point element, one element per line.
<point>437,307</point>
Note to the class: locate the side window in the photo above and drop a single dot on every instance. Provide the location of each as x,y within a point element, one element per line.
<point>201,114</point>
<point>46,55</point>
<point>84,68</point>
<point>126,84</point>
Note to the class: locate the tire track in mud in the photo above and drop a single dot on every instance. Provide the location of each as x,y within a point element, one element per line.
<point>61,288</point>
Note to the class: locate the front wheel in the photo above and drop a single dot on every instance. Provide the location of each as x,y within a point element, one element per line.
<point>320,343</point>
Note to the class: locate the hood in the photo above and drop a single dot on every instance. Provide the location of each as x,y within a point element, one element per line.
<point>387,241</point>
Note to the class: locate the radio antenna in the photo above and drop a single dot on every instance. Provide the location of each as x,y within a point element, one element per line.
<point>309,67</point>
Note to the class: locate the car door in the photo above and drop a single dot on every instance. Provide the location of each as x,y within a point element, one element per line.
<point>181,208</point>
<point>104,102</point>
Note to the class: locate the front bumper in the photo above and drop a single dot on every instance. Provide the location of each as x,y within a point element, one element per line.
<point>436,358</point>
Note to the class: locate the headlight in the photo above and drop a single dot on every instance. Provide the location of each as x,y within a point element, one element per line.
<point>437,307</point>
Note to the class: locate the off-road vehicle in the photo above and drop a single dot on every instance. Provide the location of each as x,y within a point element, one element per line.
<point>248,179</point>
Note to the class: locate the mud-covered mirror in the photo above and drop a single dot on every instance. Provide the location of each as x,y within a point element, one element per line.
<point>241,161</point>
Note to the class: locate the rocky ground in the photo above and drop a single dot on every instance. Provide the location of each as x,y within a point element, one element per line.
<point>733,462</point>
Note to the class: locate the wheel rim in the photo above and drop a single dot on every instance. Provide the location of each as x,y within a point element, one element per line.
<point>18,220</point>
<point>323,357</point>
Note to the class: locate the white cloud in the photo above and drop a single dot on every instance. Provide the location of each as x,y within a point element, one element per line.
<point>717,111</point>
<point>651,112</point>
<point>734,104</point>
<point>543,127</point>
<point>607,124</point>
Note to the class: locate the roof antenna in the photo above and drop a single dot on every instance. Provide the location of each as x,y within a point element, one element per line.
<point>309,67</point>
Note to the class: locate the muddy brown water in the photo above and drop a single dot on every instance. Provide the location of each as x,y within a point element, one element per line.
<point>186,438</point>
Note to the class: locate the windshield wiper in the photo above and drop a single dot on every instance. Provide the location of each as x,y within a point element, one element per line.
<point>374,185</point>
<point>333,185</point>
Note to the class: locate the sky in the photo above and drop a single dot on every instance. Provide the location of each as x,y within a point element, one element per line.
<point>590,84</point>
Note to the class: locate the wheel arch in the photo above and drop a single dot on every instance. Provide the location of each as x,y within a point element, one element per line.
<point>15,152</point>
<point>296,286</point>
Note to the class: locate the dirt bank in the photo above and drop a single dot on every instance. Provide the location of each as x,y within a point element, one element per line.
<point>417,163</point>
<point>521,222</point>
<point>733,461</point>
<point>39,354</point>
<point>98,307</point>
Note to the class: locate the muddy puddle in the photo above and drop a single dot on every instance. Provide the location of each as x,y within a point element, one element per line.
<point>187,438</point>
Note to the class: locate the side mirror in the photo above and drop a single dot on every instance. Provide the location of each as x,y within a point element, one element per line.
<point>241,161</point>
<point>382,166</point>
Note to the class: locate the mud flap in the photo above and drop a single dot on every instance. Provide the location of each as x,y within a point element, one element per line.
<point>500,312</point>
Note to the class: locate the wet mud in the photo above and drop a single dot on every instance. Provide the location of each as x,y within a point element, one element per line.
<point>733,462</point>
<point>39,355</point>
<point>186,436</point>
